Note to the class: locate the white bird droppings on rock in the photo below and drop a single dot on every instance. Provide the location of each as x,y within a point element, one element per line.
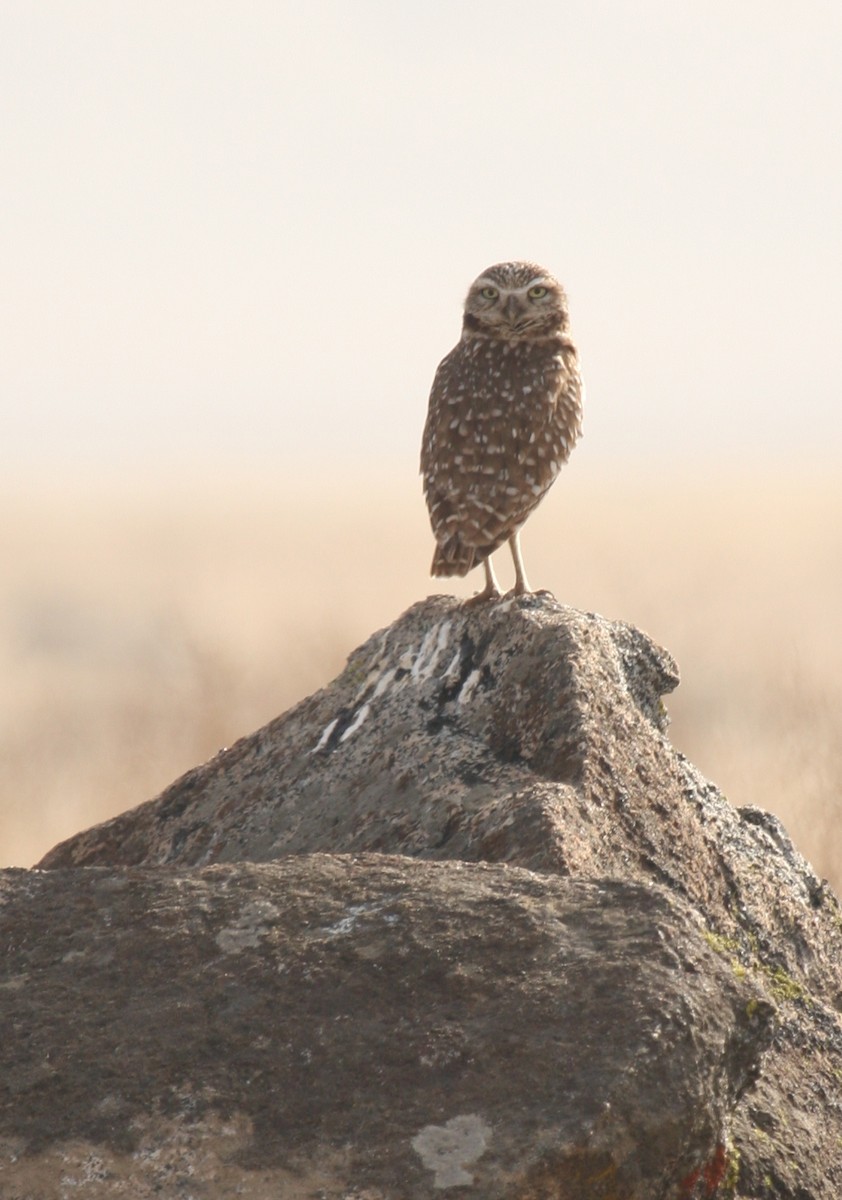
<point>468,687</point>
<point>356,723</point>
<point>434,642</point>
<point>452,671</point>
<point>384,681</point>
<point>326,732</point>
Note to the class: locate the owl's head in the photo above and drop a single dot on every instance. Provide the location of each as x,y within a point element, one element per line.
<point>516,301</point>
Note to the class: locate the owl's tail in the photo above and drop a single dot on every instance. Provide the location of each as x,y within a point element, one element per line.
<point>453,557</point>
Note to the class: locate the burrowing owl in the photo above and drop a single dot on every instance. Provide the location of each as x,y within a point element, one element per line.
<point>505,412</point>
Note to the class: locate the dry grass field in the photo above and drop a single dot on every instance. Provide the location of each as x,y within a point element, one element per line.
<point>142,628</point>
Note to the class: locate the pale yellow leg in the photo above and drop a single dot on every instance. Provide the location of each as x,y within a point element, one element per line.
<point>521,582</point>
<point>492,588</point>
<point>491,584</point>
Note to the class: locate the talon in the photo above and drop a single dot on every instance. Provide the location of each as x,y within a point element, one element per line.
<point>486,596</point>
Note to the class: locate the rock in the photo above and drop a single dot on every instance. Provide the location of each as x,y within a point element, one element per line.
<point>531,734</point>
<point>336,1026</point>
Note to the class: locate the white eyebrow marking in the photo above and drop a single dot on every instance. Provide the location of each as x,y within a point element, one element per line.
<point>487,281</point>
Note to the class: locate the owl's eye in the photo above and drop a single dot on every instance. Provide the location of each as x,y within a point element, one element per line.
<point>489,293</point>
<point>537,293</point>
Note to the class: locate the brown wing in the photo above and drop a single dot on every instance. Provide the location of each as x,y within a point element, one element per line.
<point>502,418</point>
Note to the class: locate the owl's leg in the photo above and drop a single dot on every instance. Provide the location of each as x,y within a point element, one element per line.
<point>521,582</point>
<point>492,588</point>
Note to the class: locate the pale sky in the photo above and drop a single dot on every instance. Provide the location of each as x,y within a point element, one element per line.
<point>242,232</point>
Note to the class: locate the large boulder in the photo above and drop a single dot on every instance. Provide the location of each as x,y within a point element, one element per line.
<point>332,1026</point>
<point>530,734</point>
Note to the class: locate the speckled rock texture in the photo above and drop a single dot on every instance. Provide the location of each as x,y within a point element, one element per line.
<point>531,734</point>
<point>367,1026</point>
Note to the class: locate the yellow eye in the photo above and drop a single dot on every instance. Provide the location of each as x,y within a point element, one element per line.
<point>489,293</point>
<point>537,293</point>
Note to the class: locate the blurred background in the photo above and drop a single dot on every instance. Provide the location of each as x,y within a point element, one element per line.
<point>235,241</point>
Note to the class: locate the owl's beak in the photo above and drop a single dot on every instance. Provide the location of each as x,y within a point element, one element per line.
<point>512,308</point>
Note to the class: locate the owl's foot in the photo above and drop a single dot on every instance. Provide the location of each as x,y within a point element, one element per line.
<point>541,594</point>
<point>491,591</point>
<point>484,597</point>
